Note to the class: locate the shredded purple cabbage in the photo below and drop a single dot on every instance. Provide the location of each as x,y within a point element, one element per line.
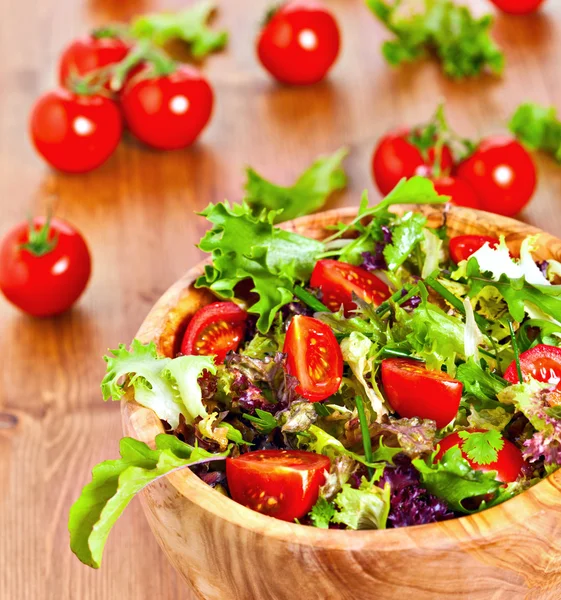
<point>411,504</point>
<point>375,261</point>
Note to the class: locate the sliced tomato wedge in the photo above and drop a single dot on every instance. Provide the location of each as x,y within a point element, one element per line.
<point>509,461</point>
<point>338,280</point>
<point>313,357</point>
<point>215,329</point>
<point>279,483</point>
<point>463,246</point>
<point>414,391</point>
<point>542,362</point>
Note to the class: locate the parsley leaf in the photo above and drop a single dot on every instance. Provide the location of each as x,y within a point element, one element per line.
<point>307,195</point>
<point>244,246</point>
<point>189,25</point>
<point>460,41</point>
<point>264,422</point>
<point>322,513</point>
<point>482,447</point>
<point>406,235</point>
<point>538,127</point>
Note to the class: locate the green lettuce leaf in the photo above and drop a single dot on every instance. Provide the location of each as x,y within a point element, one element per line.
<point>308,194</point>
<point>189,25</point>
<point>460,41</point>
<point>479,382</point>
<point>247,247</point>
<point>167,386</point>
<point>364,508</point>
<point>115,483</point>
<point>538,128</point>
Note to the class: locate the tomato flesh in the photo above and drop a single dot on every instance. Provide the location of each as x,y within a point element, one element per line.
<point>542,362</point>
<point>313,357</point>
<point>338,281</point>
<point>509,461</point>
<point>518,7</point>
<point>502,174</point>
<point>395,157</point>
<point>463,246</point>
<point>215,329</point>
<point>300,43</point>
<point>414,391</point>
<point>46,285</point>
<point>459,191</point>
<point>280,483</point>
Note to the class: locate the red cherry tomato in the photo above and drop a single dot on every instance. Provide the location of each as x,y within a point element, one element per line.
<point>279,483</point>
<point>414,391</point>
<point>395,157</point>
<point>47,277</point>
<point>313,357</point>
<point>75,133</point>
<point>502,174</point>
<point>542,362</point>
<point>215,329</point>
<point>169,111</point>
<point>463,246</point>
<point>459,191</point>
<point>508,465</point>
<point>300,43</point>
<point>88,54</point>
<point>518,7</point>
<point>338,280</point>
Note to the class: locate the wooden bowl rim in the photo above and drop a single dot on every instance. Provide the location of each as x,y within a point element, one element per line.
<point>442,534</point>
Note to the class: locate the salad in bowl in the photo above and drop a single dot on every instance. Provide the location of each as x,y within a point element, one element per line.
<point>383,377</point>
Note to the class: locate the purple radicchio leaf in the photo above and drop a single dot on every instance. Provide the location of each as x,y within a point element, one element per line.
<point>375,261</point>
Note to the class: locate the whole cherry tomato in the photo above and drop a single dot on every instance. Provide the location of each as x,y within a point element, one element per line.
<point>279,483</point>
<point>75,133</point>
<point>502,174</point>
<point>167,111</point>
<point>414,391</point>
<point>313,357</point>
<point>542,362</point>
<point>396,157</point>
<point>338,281</point>
<point>44,268</point>
<point>508,465</point>
<point>518,7</point>
<point>299,43</point>
<point>90,53</point>
<point>215,329</point>
<point>463,246</point>
<point>459,191</point>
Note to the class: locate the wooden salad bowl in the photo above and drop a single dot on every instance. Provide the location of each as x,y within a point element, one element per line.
<point>228,552</point>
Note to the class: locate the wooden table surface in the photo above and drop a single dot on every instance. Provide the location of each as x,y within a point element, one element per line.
<point>137,215</point>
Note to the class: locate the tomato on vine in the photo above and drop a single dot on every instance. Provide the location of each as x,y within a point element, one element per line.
<point>518,7</point>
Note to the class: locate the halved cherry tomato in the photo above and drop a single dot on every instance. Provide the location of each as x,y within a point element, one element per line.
<point>414,391</point>
<point>279,483</point>
<point>459,191</point>
<point>518,7</point>
<point>502,174</point>
<point>90,53</point>
<point>299,43</point>
<point>463,246</point>
<point>338,280</point>
<point>313,357</point>
<point>215,329</point>
<point>395,157</point>
<point>542,362</point>
<point>508,465</point>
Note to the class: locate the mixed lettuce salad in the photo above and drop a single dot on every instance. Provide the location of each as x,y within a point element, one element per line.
<point>386,376</point>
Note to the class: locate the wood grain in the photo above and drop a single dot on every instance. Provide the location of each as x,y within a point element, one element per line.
<point>225,550</point>
<point>137,214</point>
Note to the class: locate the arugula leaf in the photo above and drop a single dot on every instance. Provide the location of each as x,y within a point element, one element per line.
<point>322,513</point>
<point>189,25</point>
<point>460,41</point>
<point>538,127</point>
<point>264,422</point>
<point>167,386</point>
<point>247,247</point>
<point>406,235</point>
<point>364,508</point>
<point>479,382</point>
<point>307,195</point>
<point>482,447</point>
<point>114,484</point>
<point>453,480</point>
